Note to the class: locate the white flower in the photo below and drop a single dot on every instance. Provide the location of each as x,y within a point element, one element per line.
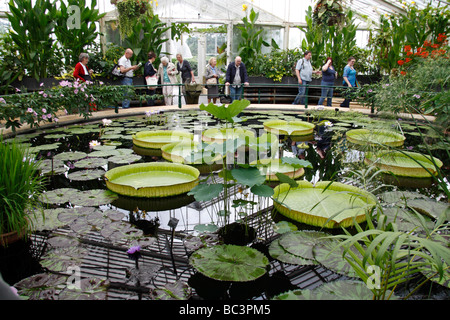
<point>94,143</point>
<point>106,122</point>
<point>328,124</point>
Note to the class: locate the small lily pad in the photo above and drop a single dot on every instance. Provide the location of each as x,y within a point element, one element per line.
<point>85,175</point>
<point>90,289</point>
<point>59,196</point>
<point>70,156</point>
<point>94,198</point>
<point>125,159</point>
<point>90,163</point>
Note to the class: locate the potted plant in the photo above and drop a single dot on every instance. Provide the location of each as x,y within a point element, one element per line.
<point>20,189</point>
<point>129,12</point>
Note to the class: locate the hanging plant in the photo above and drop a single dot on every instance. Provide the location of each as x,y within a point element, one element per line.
<point>328,13</point>
<point>129,13</point>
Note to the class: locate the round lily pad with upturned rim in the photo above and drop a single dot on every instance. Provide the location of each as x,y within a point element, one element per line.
<point>269,168</point>
<point>157,138</point>
<point>405,163</point>
<point>291,128</point>
<point>221,135</point>
<point>327,204</point>
<point>155,179</point>
<point>375,137</point>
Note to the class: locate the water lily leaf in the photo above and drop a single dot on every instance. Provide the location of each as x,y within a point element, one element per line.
<point>114,215</point>
<point>119,231</point>
<point>284,226</point>
<point>283,178</point>
<point>59,196</point>
<point>124,159</point>
<point>248,176</point>
<point>207,239</point>
<point>227,113</point>
<point>296,162</point>
<point>46,167</point>
<point>301,243</point>
<point>80,226</point>
<point>326,253</point>
<point>206,192</point>
<point>91,163</point>
<point>90,289</point>
<point>60,241</point>
<point>50,222</point>
<point>69,215</point>
<point>178,290</point>
<point>103,148</point>
<point>430,271</point>
<point>336,290</point>
<point>57,136</point>
<point>276,251</point>
<point>206,227</point>
<point>44,147</point>
<point>406,220</point>
<point>262,190</point>
<point>70,156</point>
<point>94,198</point>
<point>42,286</point>
<point>433,209</point>
<point>230,263</point>
<point>85,175</point>
<point>60,259</point>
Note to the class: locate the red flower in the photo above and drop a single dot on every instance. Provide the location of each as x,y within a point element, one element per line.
<point>424,54</point>
<point>427,43</point>
<point>403,73</point>
<point>400,62</point>
<point>407,60</point>
<point>407,48</point>
<point>409,53</point>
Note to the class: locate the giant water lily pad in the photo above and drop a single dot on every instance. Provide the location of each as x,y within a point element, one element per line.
<point>405,163</point>
<point>186,152</point>
<point>375,137</point>
<point>276,251</point>
<point>220,135</point>
<point>301,243</point>
<point>229,263</point>
<point>155,179</point>
<point>156,139</point>
<point>292,128</point>
<point>85,175</point>
<point>329,205</point>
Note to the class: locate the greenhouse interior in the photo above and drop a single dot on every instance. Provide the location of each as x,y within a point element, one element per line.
<point>241,150</point>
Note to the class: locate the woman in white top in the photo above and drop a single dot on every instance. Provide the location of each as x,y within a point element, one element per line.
<point>167,73</point>
<point>212,75</point>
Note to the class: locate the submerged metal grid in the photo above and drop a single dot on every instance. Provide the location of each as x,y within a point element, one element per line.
<point>111,262</point>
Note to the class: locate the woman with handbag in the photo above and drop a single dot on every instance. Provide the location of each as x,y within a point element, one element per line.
<point>212,80</point>
<point>167,71</point>
<point>151,77</point>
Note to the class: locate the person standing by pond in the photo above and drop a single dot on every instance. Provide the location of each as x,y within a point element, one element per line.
<point>235,77</point>
<point>212,80</point>
<point>167,72</point>
<point>328,76</point>
<point>349,77</point>
<point>304,71</point>
<point>82,72</point>
<point>150,72</point>
<point>185,69</point>
<point>127,70</point>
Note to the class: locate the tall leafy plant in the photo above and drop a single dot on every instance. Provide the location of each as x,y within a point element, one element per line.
<point>252,39</point>
<point>20,187</point>
<point>32,24</point>
<point>73,38</point>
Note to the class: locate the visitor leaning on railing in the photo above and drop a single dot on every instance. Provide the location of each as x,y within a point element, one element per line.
<point>236,75</point>
<point>127,70</point>
<point>328,76</point>
<point>212,76</point>
<point>150,75</point>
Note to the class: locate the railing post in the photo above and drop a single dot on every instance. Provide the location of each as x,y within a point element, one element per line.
<point>179,95</point>
<point>259,95</point>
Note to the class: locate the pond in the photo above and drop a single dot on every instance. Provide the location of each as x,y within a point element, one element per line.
<point>84,217</point>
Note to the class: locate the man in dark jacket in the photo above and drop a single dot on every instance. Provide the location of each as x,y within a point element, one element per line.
<point>236,76</point>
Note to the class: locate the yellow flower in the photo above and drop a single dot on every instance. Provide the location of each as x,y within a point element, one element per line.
<point>244,7</point>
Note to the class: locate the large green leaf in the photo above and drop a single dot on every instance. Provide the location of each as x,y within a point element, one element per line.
<point>226,113</point>
<point>206,192</point>
<point>230,263</point>
<point>250,176</point>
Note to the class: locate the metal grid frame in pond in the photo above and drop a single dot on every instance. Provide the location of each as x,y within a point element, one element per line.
<point>110,261</point>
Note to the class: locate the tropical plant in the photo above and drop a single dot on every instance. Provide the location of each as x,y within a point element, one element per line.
<point>20,188</point>
<point>32,25</point>
<point>328,13</point>
<point>129,13</point>
<point>412,28</point>
<point>252,39</point>
<point>74,39</point>
<point>10,67</point>
<point>388,258</point>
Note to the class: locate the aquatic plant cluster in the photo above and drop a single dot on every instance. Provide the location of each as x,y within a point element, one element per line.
<point>313,189</point>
